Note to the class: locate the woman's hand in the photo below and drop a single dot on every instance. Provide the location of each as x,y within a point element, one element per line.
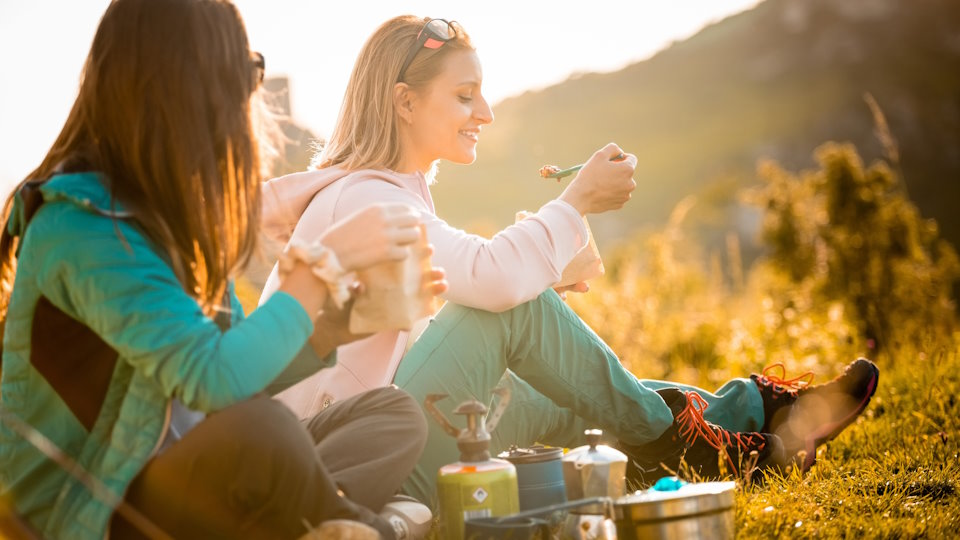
<point>435,282</point>
<point>375,234</point>
<point>332,328</point>
<point>306,288</point>
<point>578,287</point>
<point>602,185</point>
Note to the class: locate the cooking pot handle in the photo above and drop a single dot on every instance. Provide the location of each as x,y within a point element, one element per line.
<point>607,503</point>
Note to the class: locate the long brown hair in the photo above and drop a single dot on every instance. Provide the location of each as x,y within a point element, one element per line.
<point>367,134</point>
<point>164,113</point>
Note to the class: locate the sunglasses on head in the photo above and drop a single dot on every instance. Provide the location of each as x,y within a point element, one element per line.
<point>259,66</point>
<point>433,35</point>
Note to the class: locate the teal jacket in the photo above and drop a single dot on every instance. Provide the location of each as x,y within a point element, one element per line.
<point>100,336</point>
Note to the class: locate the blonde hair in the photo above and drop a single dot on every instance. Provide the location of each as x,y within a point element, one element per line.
<point>367,134</point>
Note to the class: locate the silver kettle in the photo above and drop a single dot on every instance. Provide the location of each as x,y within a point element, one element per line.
<point>594,470</point>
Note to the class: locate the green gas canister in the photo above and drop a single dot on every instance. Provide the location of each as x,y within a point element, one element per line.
<point>476,486</point>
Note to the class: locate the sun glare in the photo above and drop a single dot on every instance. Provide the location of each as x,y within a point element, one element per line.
<point>523,46</point>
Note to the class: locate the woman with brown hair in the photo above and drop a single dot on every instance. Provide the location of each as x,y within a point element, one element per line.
<point>415,97</point>
<point>125,347</point>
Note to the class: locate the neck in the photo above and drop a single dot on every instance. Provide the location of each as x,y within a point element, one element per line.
<point>411,167</point>
<point>410,159</point>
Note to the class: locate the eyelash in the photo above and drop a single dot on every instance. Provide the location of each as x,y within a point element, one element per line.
<point>466,99</point>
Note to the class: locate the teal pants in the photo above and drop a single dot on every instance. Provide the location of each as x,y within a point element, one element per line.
<point>563,377</point>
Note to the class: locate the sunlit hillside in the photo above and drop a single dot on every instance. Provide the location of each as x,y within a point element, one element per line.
<point>772,82</point>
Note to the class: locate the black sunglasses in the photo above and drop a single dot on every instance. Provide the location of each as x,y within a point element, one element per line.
<point>259,65</point>
<point>433,35</point>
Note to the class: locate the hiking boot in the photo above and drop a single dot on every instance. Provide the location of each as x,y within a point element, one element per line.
<point>707,449</point>
<point>778,392</point>
<point>805,416</point>
<point>410,519</point>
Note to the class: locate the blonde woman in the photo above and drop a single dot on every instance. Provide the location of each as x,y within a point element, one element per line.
<point>415,97</point>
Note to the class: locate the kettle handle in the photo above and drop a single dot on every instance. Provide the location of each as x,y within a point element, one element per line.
<point>428,404</point>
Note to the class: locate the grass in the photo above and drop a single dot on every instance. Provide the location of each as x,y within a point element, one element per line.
<point>892,474</point>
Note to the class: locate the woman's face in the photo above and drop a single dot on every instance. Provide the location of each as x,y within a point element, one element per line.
<point>447,115</point>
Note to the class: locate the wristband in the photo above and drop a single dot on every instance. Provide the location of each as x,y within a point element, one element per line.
<point>323,264</point>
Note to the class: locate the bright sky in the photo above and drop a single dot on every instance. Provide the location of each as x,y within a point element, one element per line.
<point>522,45</point>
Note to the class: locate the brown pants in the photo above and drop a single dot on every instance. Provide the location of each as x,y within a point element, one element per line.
<point>253,470</point>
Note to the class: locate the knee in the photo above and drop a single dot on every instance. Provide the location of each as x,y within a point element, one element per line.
<point>260,449</point>
<point>404,412</point>
<point>521,301</point>
<point>270,434</point>
<point>411,412</point>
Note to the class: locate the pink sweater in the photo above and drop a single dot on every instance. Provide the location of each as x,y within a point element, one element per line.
<point>497,274</point>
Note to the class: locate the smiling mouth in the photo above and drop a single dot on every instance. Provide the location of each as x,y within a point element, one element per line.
<point>472,135</point>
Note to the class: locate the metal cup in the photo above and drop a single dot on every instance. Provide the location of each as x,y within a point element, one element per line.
<point>539,475</point>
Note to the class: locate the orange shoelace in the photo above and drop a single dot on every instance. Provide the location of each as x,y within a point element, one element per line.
<point>782,384</point>
<point>693,425</point>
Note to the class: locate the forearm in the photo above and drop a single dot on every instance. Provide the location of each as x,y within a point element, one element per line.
<point>514,266</point>
<point>306,363</point>
<point>214,373</point>
<point>323,341</point>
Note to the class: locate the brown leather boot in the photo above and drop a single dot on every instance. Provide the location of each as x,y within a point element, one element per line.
<point>805,416</point>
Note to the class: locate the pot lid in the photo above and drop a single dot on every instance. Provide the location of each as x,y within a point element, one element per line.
<point>534,454</point>
<point>688,500</point>
<point>594,453</point>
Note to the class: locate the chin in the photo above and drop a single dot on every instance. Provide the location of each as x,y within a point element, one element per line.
<point>470,155</point>
<point>463,159</point>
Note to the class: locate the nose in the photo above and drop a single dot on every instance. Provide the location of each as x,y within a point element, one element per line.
<point>482,112</point>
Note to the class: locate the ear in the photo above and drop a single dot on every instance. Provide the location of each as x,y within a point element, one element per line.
<point>403,101</point>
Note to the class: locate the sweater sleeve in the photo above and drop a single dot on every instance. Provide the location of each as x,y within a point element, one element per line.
<point>305,363</point>
<point>107,275</point>
<point>495,274</point>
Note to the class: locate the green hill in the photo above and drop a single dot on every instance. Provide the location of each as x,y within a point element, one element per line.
<point>771,82</point>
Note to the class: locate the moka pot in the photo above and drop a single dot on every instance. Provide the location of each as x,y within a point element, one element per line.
<point>594,470</point>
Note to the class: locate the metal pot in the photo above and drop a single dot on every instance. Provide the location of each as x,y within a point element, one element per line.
<point>594,470</point>
<point>702,510</point>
